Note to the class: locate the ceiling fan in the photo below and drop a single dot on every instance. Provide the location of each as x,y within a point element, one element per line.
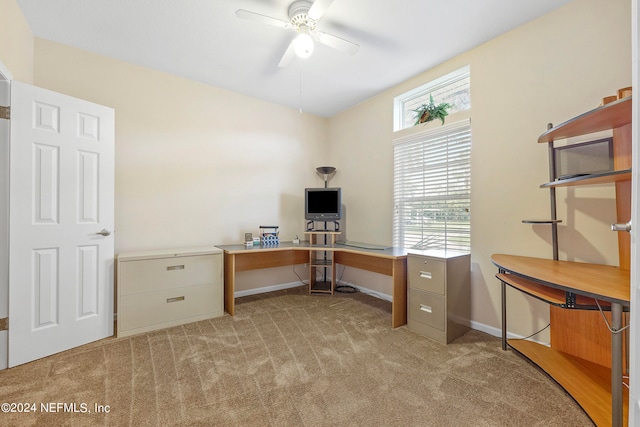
<point>303,17</point>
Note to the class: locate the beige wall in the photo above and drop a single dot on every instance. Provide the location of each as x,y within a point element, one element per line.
<point>549,70</point>
<point>195,165</point>
<point>16,42</point>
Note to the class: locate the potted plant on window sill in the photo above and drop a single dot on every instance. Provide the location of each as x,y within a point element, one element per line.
<point>428,112</point>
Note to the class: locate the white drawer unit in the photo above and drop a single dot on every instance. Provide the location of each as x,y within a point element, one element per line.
<point>158,289</point>
<point>438,294</point>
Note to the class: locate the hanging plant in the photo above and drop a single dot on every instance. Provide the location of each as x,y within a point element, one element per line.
<point>431,111</point>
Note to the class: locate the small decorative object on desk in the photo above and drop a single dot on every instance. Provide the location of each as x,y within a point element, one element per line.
<point>431,111</point>
<point>269,235</point>
<point>624,92</point>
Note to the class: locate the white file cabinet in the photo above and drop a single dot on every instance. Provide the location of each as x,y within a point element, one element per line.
<point>158,289</point>
<point>438,300</point>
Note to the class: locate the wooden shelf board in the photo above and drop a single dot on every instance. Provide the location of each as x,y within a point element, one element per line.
<point>588,383</point>
<point>550,295</point>
<point>609,116</point>
<point>605,282</point>
<point>553,296</point>
<point>601,178</point>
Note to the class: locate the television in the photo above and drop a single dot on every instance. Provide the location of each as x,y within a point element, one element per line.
<point>322,204</point>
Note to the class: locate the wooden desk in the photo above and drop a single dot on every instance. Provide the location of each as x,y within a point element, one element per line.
<point>599,390</point>
<point>391,262</point>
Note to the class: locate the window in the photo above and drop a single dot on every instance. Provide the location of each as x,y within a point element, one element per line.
<point>454,89</point>
<point>432,189</point>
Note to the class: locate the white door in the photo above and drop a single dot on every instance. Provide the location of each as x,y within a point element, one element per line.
<point>60,200</point>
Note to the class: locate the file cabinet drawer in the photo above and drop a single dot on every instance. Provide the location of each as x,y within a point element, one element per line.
<point>168,273</point>
<point>426,273</point>
<point>427,308</point>
<point>155,309</point>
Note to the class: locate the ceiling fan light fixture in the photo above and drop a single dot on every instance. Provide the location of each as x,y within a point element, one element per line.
<point>303,45</point>
<point>303,17</point>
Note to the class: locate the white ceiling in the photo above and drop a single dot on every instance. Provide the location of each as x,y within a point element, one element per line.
<point>203,40</point>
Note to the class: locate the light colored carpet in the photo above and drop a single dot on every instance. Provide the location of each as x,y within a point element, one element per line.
<point>290,359</point>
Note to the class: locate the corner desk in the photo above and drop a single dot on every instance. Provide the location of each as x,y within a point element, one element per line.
<point>390,262</point>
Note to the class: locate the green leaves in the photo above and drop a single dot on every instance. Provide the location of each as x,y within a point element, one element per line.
<point>431,111</point>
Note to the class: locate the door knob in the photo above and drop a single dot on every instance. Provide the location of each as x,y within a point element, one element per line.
<point>621,227</point>
<point>104,232</point>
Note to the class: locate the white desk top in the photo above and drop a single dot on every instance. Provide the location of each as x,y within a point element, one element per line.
<point>168,253</point>
<point>382,252</point>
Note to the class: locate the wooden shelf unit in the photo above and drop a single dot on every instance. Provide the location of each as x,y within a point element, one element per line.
<point>322,261</point>
<point>585,358</point>
<point>581,356</point>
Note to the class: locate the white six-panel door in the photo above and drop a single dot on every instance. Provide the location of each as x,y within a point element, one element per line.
<point>61,222</point>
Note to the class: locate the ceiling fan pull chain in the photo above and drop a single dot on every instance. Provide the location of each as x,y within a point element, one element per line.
<point>300,94</point>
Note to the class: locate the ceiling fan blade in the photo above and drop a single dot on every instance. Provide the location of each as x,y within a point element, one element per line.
<point>318,8</point>
<point>257,17</point>
<point>288,56</point>
<point>337,42</point>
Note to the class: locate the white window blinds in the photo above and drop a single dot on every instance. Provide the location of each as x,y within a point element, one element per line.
<point>432,189</point>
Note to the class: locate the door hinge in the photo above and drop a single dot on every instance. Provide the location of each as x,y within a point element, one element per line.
<point>4,324</point>
<point>5,112</point>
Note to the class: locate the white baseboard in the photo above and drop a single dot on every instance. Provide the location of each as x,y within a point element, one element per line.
<point>368,291</point>
<point>497,332</point>
<point>266,289</point>
<point>282,286</point>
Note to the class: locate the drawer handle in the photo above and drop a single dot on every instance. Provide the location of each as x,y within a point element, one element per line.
<point>425,274</point>
<point>175,267</point>
<point>175,299</point>
<point>425,308</point>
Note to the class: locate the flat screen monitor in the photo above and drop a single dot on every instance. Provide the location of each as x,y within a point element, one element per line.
<point>322,204</point>
<point>586,158</point>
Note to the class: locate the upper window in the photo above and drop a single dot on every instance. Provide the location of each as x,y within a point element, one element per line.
<point>453,88</point>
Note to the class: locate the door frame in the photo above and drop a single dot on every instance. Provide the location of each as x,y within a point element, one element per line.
<point>5,80</point>
<point>634,345</point>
